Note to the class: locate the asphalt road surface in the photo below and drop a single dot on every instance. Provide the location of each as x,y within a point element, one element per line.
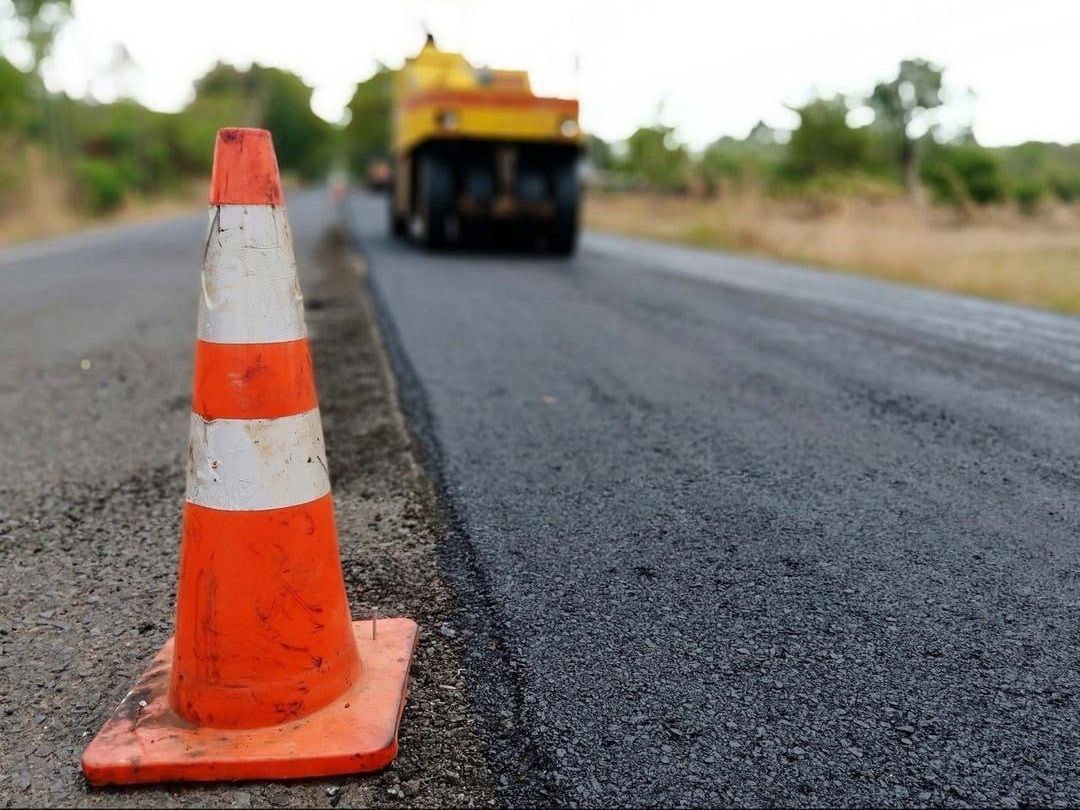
<point>708,529</point>
<point>98,332</point>
<point>730,531</point>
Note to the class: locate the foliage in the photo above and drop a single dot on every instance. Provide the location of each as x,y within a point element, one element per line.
<point>16,98</point>
<point>824,143</point>
<point>962,173</point>
<point>101,184</point>
<point>366,136</point>
<point>600,154</point>
<point>111,150</point>
<point>273,99</point>
<point>722,163</point>
<point>1029,193</point>
<point>1053,165</point>
<point>42,20</point>
<point>907,99</point>
<point>1065,186</point>
<point>655,158</point>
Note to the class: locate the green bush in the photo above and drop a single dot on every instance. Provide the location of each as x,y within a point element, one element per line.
<point>655,159</point>
<point>1028,193</point>
<point>721,164</point>
<point>101,184</point>
<point>823,143</point>
<point>961,173</point>
<point>1065,186</point>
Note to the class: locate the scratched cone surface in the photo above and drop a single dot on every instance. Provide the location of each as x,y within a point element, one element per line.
<point>266,676</point>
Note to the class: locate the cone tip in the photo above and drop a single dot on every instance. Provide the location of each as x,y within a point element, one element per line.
<point>245,168</point>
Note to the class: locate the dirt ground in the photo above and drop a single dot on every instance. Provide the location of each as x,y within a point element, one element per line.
<point>994,252</point>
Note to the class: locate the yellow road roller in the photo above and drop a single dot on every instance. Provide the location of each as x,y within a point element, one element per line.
<point>475,155</point>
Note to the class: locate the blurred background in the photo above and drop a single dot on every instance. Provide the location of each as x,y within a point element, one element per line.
<point>934,144</point>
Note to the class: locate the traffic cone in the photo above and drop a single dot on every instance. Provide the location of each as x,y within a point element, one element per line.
<point>266,677</point>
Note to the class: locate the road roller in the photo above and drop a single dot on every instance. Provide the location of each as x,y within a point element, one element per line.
<point>476,157</point>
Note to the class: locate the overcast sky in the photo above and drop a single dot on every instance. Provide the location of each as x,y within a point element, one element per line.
<point>709,68</point>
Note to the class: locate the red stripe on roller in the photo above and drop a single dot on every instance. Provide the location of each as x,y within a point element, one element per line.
<point>566,106</point>
<point>252,380</point>
<point>263,634</point>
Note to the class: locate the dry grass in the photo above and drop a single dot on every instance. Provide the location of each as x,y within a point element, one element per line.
<point>41,206</point>
<point>995,254</point>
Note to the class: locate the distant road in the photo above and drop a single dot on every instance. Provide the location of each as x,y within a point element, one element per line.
<point>728,530</point>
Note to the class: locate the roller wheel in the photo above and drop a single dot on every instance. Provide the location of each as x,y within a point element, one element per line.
<point>566,195</point>
<point>434,196</point>
<point>398,225</point>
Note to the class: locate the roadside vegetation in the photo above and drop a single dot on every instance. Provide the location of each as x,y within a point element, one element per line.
<point>873,184</point>
<point>66,161</point>
<point>890,142</point>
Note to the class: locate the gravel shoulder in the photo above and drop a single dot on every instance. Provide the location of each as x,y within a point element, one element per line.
<point>90,496</point>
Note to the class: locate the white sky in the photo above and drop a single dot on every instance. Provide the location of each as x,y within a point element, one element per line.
<point>715,67</point>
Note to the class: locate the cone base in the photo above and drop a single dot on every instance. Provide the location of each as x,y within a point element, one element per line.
<point>355,733</point>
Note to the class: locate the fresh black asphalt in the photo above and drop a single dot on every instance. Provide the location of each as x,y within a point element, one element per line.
<point>729,531</point>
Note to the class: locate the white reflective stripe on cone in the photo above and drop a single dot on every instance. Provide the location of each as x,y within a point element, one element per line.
<point>247,464</point>
<point>250,290</point>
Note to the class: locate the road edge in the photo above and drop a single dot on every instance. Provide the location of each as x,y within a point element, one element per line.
<point>496,680</point>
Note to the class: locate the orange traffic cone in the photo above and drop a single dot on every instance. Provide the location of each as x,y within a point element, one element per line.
<point>266,677</point>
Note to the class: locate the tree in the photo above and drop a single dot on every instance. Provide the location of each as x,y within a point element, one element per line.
<point>763,135</point>
<point>43,20</point>
<point>302,140</point>
<point>656,158</point>
<point>723,161</point>
<point>824,143</point>
<point>601,154</point>
<point>16,98</point>
<point>903,102</point>
<point>730,162</point>
<point>266,97</point>
<point>367,135</point>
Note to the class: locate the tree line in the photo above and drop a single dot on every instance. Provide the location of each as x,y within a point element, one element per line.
<point>899,145</point>
<point>108,152</point>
